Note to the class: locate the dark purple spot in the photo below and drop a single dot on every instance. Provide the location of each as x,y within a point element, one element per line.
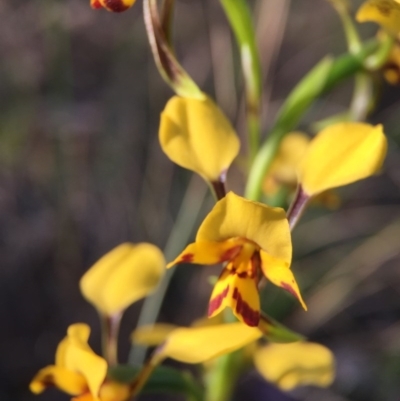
<point>216,302</point>
<point>115,5</point>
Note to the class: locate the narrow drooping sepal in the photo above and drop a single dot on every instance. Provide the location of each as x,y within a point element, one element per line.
<point>279,273</point>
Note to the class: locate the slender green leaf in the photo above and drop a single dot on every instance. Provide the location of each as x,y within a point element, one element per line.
<point>240,20</point>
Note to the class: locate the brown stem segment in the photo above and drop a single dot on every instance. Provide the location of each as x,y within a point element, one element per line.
<point>297,207</point>
<point>110,332</point>
<point>219,189</point>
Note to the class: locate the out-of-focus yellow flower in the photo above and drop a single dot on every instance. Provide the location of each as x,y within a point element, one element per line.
<point>283,170</point>
<point>253,239</point>
<point>286,365</point>
<point>386,13</point>
<point>112,5</point>
<point>123,276</point>
<point>78,371</point>
<point>341,154</point>
<point>196,135</point>
<point>296,364</point>
<point>200,344</point>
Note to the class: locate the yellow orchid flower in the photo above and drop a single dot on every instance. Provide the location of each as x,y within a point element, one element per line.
<point>78,371</point>
<point>386,13</point>
<point>296,364</point>
<point>286,365</point>
<point>123,276</point>
<point>342,154</point>
<point>112,5</point>
<point>253,239</point>
<point>195,134</point>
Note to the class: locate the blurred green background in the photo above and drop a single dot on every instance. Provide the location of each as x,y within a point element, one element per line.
<point>81,172</point>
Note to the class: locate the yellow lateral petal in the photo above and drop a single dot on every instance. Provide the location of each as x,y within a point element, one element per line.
<point>79,357</point>
<point>152,335</point>
<point>196,135</point>
<point>234,216</point>
<point>208,252</point>
<point>296,364</point>
<point>200,344</point>
<point>384,12</point>
<point>279,273</point>
<point>70,382</point>
<point>123,276</point>
<point>341,154</point>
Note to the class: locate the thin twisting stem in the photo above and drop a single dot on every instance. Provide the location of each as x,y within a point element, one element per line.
<point>297,207</point>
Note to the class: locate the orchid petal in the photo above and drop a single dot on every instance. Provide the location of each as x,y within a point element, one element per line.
<point>386,13</point>
<point>123,276</point>
<point>208,252</point>
<point>296,364</point>
<point>279,273</point>
<point>341,154</point>
<point>153,334</point>
<point>70,382</point>
<point>234,216</point>
<point>200,344</point>
<point>79,357</point>
<point>197,136</point>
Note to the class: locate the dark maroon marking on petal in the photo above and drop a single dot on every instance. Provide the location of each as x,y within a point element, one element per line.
<point>230,253</point>
<point>250,316</point>
<point>187,258</point>
<point>243,275</point>
<point>288,288</point>
<point>256,265</point>
<point>216,302</point>
<point>115,5</point>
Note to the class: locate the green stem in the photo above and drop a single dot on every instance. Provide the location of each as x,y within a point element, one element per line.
<point>188,213</point>
<point>362,95</point>
<point>322,78</point>
<point>240,20</point>
<point>222,377</point>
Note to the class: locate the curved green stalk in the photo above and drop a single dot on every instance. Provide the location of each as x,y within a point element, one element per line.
<point>184,224</point>
<point>240,20</point>
<point>322,78</point>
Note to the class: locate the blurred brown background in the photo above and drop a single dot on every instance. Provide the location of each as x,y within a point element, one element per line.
<point>81,171</point>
